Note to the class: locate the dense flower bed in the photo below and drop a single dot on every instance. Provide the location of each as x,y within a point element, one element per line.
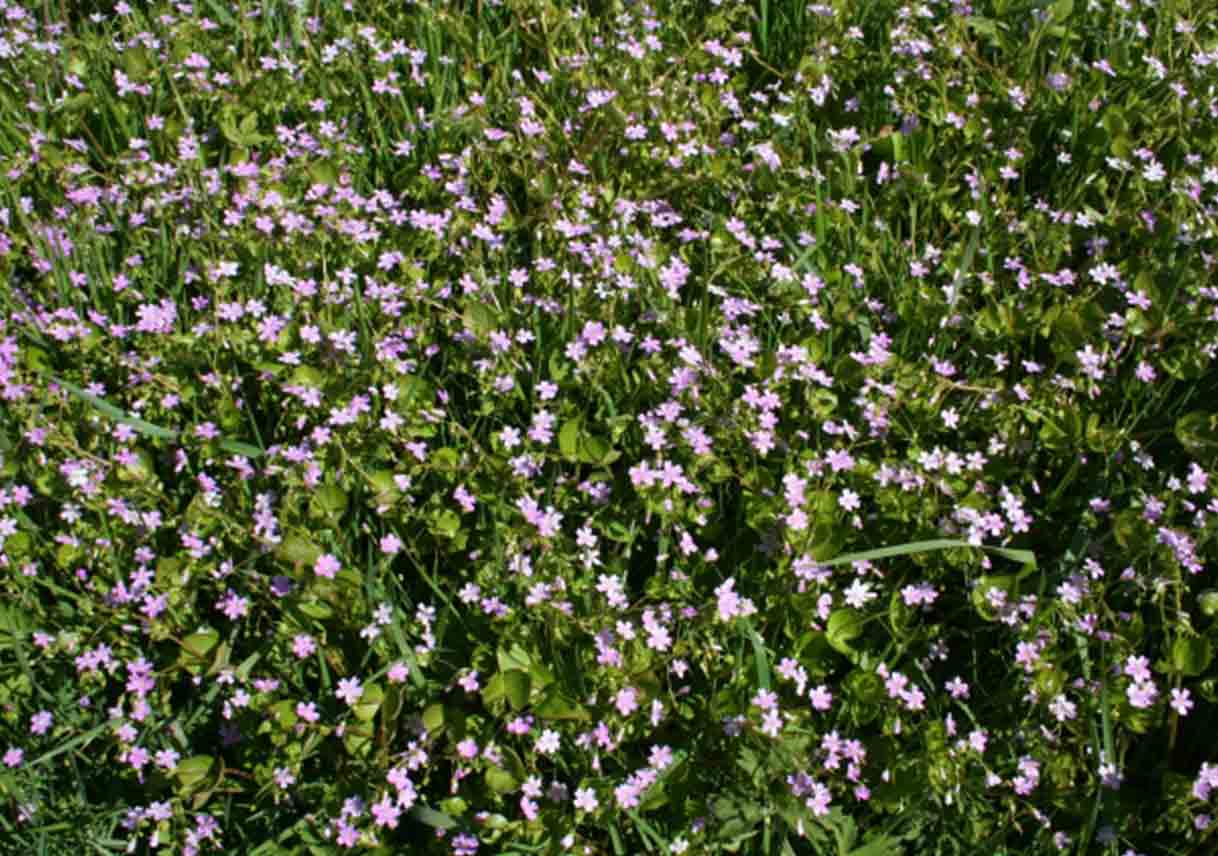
<point>518,428</point>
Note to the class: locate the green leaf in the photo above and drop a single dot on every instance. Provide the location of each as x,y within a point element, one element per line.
<point>446,458</point>
<point>199,645</point>
<point>369,702</point>
<point>568,438</point>
<point>316,609</point>
<point>516,686</point>
<point>479,318</point>
<point>328,501</point>
<point>447,523</point>
<point>980,593</point>
<point>284,713</point>
<point>1197,432</point>
<point>1190,656</point>
<point>1208,603</point>
<point>17,546</point>
<point>761,659</point>
<point>500,781</point>
<point>243,449</point>
<point>433,718</point>
<point>323,172</point>
<point>1025,557</point>
<point>385,489</point>
<point>357,744</point>
<point>431,817</point>
<point>845,625</point>
<point>193,771</point>
<point>885,845</point>
<point>146,428</point>
<point>298,550</point>
<point>559,707</point>
<point>597,450</point>
<point>513,658</point>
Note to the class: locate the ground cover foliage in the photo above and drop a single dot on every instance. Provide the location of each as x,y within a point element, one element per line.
<point>530,428</point>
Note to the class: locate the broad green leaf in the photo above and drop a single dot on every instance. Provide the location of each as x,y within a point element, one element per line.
<point>446,458</point>
<point>369,702</point>
<point>298,550</point>
<point>193,771</point>
<point>357,743</point>
<point>516,686</point>
<point>323,172</point>
<point>1190,656</point>
<point>316,609</point>
<point>385,489</point>
<point>17,546</point>
<point>514,658</point>
<point>1197,432</point>
<point>568,438</point>
<point>431,817</point>
<point>433,718</point>
<point>284,713</point>
<point>199,645</point>
<point>480,318</point>
<point>447,523</point>
<point>557,706</point>
<point>328,501</point>
<point>845,625</point>
<point>495,689</point>
<point>500,781</point>
<point>1208,603</point>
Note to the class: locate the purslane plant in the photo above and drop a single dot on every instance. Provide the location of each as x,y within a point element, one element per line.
<point>698,427</point>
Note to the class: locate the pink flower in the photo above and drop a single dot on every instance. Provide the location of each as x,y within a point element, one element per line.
<point>303,646</point>
<point>1181,701</point>
<point>13,757</point>
<point>548,742</point>
<point>386,813</point>
<point>234,605</point>
<point>957,687</point>
<point>349,690</point>
<point>626,701</point>
<point>40,723</point>
<point>585,799</point>
<point>1138,668</point>
<point>1142,694</point>
<point>327,566</point>
<point>138,758</point>
<point>464,498</point>
<point>660,757</point>
<point>766,699</point>
<point>348,836</point>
